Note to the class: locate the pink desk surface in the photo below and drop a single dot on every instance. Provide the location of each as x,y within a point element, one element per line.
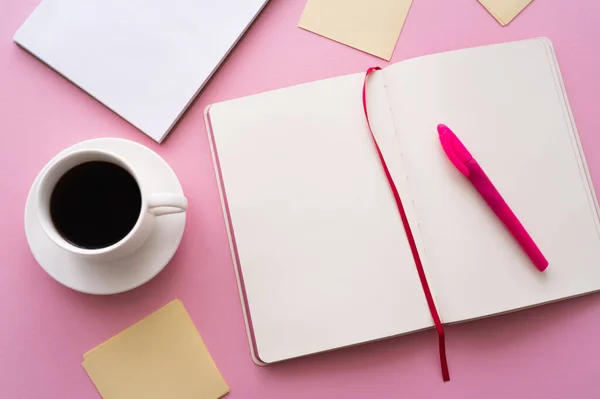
<point>548,352</point>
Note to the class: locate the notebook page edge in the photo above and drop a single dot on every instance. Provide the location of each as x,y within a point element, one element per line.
<point>574,131</point>
<point>249,332</point>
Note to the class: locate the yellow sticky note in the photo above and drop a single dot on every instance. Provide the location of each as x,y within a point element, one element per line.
<point>504,10</point>
<point>162,356</point>
<point>372,26</point>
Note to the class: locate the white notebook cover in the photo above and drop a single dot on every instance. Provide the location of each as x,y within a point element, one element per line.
<point>319,249</point>
<point>145,60</point>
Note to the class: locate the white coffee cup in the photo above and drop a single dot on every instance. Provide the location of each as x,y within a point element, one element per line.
<point>153,205</point>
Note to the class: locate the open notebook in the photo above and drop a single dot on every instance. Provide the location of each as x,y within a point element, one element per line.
<point>319,248</point>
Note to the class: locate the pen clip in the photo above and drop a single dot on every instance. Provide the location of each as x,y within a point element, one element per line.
<point>454,149</point>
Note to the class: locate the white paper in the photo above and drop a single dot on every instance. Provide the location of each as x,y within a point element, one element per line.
<point>322,249</point>
<point>145,60</point>
<point>507,105</point>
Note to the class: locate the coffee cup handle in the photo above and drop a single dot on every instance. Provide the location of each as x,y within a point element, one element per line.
<point>166,204</point>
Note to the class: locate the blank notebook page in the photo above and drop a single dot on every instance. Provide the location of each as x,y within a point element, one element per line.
<point>321,246</point>
<point>507,105</point>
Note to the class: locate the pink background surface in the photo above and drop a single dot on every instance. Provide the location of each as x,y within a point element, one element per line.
<point>548,352</point>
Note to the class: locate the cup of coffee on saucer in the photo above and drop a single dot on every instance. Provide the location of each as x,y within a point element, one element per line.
<point>93,210</point>
<point>91,204</point>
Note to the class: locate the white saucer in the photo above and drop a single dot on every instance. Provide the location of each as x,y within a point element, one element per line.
<point>124,274</point>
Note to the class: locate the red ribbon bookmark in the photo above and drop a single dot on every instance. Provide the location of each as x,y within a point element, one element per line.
<point>411,240</point>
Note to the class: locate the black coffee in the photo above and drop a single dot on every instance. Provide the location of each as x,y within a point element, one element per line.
<point>95,204</point>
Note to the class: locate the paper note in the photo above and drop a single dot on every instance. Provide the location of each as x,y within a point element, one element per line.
<point>372,26</point>
<point>162,356</point>
<point>505,10</point>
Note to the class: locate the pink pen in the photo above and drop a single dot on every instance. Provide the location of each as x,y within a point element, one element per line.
<point>466,164</point>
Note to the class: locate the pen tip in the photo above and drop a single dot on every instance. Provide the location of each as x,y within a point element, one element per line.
<point>441,128</point>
